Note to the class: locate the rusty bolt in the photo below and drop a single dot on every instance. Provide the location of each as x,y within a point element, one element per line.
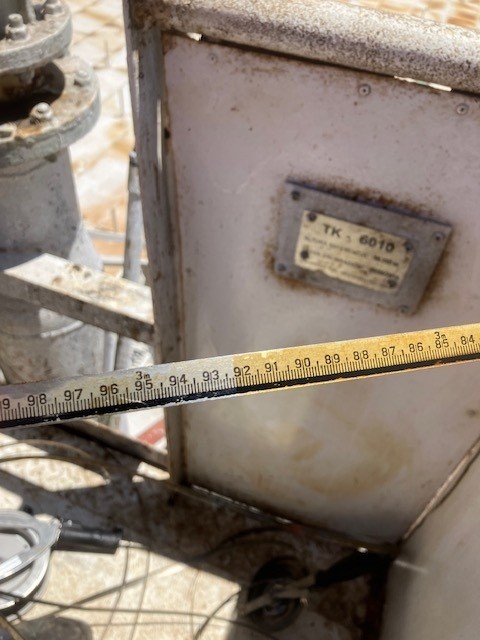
<point>82,78</point>
<point>41,112</point>
<point>7,131</point>
<point>364,90</point>
<point>462,109</point>
<point>16,29</point>
<point>52,7</point>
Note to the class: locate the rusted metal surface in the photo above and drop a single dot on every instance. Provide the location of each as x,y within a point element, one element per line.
<point>36,38</point>
<point>71,90</point>
<point>194,553</point>
<point>263,119</point>
<point>157,183</point>
<point>115,439</point>
<point>331,32</point>
<point>48,100</point>
<point>91,296</point>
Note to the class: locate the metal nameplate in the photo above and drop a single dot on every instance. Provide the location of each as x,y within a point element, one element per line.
<point>358,249</point>
<point>353,253</point>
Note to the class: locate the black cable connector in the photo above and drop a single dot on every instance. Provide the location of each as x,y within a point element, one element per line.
<point>75,537</point>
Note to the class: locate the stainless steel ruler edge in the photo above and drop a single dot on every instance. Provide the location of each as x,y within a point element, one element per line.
<point>179,383</point>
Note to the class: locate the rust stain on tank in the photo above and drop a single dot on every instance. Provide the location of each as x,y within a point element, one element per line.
<point>380,458</point>
<point>373,456</point>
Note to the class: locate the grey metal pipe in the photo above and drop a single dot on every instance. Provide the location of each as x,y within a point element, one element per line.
<point>47,101</point>
<point>329,31</point>
<point>39,213</point>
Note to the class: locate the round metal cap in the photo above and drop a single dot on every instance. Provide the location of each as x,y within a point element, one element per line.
<point>16,589</point>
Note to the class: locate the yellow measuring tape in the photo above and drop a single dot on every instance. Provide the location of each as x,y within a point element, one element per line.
<point>179,383</point>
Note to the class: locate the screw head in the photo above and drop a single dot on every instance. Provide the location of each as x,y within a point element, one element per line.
<point>16,29</point>
<point>392,283</point>
<point>462,109</point>
<point>296,195</point>
<point>41,112</point>
<point>82,78</point>
<point>304,254</point>
<point>312,216</point>
<point>7,131</point>
<point>52,7</point>
<point>408,246</point>
<point>364,89</point>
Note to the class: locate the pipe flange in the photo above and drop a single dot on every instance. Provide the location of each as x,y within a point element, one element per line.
<point>63,108</point>
<point>28,44</point>
<point>25,545</point>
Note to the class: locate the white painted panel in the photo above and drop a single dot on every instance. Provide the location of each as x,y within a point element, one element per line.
<point>434,584</point>
<point>362,457</point>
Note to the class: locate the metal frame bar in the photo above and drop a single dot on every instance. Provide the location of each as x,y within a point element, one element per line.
<point>94,297</point>
<point>329,31</point>
<point>146,75</point>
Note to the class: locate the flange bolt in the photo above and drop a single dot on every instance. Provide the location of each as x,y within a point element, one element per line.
<point>82,78</point>
<point>41,112</point>
<point>52,7</point>
<point>16,29</point>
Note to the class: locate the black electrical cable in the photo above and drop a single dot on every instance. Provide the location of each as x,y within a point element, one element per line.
<point>238,538</point>
<point>159,612</point>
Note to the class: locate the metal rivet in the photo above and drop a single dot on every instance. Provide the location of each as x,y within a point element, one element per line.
<point>312,216</point>
<point>52,7</point>
<point>438,236</point>
<point>82,78</point>
<point>296,195</point>
<point>304,254</point>
<point>408,246</point>
<point>7,131</point>
<point>16,28</point>
<point>462,109</point>
<point>364,90</point>
<point>42,112</point>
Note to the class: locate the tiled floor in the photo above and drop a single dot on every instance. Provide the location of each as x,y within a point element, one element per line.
<point>100,160</point>
<point>463,13</point>
<point>183,559</point>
